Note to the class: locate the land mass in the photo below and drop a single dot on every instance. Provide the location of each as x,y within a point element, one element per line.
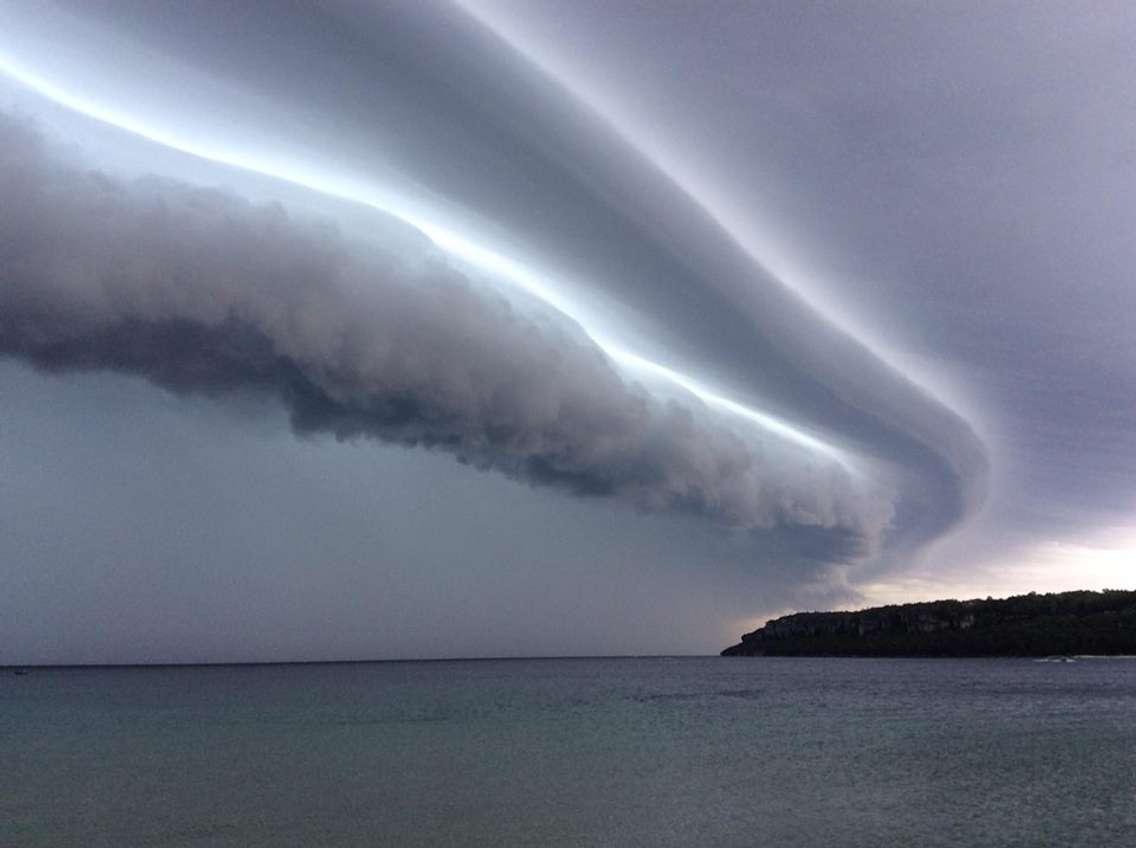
<point>1033,625</point>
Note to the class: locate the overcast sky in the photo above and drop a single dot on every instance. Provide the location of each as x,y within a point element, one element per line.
<point>355,330</point>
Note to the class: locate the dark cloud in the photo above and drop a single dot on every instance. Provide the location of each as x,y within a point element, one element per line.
<point>199,291</point>
<point>427,93</point>
<point>953,188</point>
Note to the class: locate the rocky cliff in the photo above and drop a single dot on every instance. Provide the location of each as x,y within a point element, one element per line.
<point>1024,625</point>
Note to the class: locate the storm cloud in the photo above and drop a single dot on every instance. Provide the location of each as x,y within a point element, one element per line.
<point>197,290</point>
<point>425,124</point>
<point>853,284</point>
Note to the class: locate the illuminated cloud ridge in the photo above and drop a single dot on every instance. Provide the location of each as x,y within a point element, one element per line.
<point>198,291</point>
<point>711,324</point>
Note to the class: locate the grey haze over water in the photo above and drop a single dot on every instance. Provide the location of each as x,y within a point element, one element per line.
<point>636,752</point>
<point>722,311</point>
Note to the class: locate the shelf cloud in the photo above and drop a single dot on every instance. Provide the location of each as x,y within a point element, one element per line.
<point>584,298</point>
<point>197,290</point>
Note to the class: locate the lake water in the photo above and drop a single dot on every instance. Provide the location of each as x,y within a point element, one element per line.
<point>612,752</point>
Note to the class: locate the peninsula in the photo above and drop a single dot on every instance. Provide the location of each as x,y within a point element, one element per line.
<point>1033,625</point>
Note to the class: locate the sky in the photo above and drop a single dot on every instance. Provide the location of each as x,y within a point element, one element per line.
<point>352,330</point>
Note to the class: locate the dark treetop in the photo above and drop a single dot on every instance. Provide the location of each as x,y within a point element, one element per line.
<point>1024,625</point>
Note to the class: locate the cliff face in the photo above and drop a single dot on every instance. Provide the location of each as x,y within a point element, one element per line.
<point>1024,625</point>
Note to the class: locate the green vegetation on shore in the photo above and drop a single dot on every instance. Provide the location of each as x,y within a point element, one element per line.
<point>1030,625</point>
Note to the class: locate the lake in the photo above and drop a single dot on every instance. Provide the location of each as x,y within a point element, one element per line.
<point>573,752</point>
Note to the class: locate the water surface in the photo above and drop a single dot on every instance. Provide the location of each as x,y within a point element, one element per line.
<point>608,752</point>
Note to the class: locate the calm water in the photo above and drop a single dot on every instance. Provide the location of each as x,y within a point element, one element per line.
<point>631,752</point>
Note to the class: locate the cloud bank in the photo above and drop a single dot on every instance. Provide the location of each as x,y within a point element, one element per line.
<point>666,209</point>
<point>197,290</point>
<point>432,107</point>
